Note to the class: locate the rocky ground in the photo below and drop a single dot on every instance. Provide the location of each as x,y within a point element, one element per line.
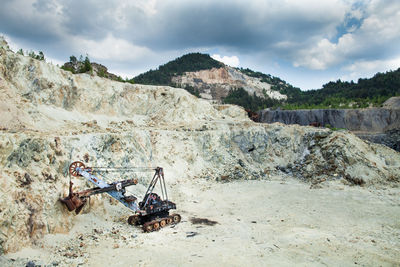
<point>275,222</point>
<point>279,194</point>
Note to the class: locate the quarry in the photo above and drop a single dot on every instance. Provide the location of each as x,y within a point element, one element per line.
<point>278,194</point>
<point>378,125</point>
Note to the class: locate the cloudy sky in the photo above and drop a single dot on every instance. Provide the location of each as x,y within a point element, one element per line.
<point>305,42</point>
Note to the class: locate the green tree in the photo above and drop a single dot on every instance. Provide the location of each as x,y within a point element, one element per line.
<point>86,66</point>
<point>40,56</point>
<point>32,54</point>
<point>254,103</point>
<point>73,59</point>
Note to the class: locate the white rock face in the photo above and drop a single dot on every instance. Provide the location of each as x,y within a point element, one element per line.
<point>216,83</point>
<point>50,117</point>
<point>392,103</point>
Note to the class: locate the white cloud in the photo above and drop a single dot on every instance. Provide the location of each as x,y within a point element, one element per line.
<point>377,33</point>
<point>232,61</point>
<point>134,36</point>
<point>356,13</point>
<point>112,48</point>
<point>318,57</point>
<point>366,69</point>
<point>14,46</point>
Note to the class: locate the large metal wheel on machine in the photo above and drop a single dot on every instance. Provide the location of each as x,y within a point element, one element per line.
<point>148,227</point>
<point>176,218</point>
<point>156,226</point>
<point>73,166</point>
<point>163,223</point>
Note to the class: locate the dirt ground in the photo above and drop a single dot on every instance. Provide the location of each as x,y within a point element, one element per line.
<point>277,222</point>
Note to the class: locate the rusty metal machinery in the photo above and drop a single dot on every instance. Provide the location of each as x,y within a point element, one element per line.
<point>152,212</point>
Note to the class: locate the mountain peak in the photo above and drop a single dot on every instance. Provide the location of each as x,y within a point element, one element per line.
<point>186,63</point>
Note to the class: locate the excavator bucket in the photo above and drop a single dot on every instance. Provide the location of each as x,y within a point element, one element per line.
<point>73,203</point>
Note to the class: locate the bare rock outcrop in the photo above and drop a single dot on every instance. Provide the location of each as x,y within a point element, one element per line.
<point>368,120</point>
<point>215,84</point>
<point>96,69</point>
<point>379,125</point>
<point>392,103</point>
<point>51,117</point>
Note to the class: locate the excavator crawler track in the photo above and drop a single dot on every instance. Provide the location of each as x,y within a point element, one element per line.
<point>134,220</point>
<point>157,224</point>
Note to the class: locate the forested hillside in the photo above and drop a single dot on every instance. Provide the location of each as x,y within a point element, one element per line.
<point>366,92</point>
<point>277,83</point>
<point>187,63</point>
<point>242,98</point>
<point>361,94</point>
<point>254,103</point>
<point>340,94</point>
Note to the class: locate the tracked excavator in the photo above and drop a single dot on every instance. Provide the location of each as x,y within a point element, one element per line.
<point>152,213</point>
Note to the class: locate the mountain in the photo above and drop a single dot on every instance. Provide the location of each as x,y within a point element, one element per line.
<point>188,63</point>
<point>207,78</point>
